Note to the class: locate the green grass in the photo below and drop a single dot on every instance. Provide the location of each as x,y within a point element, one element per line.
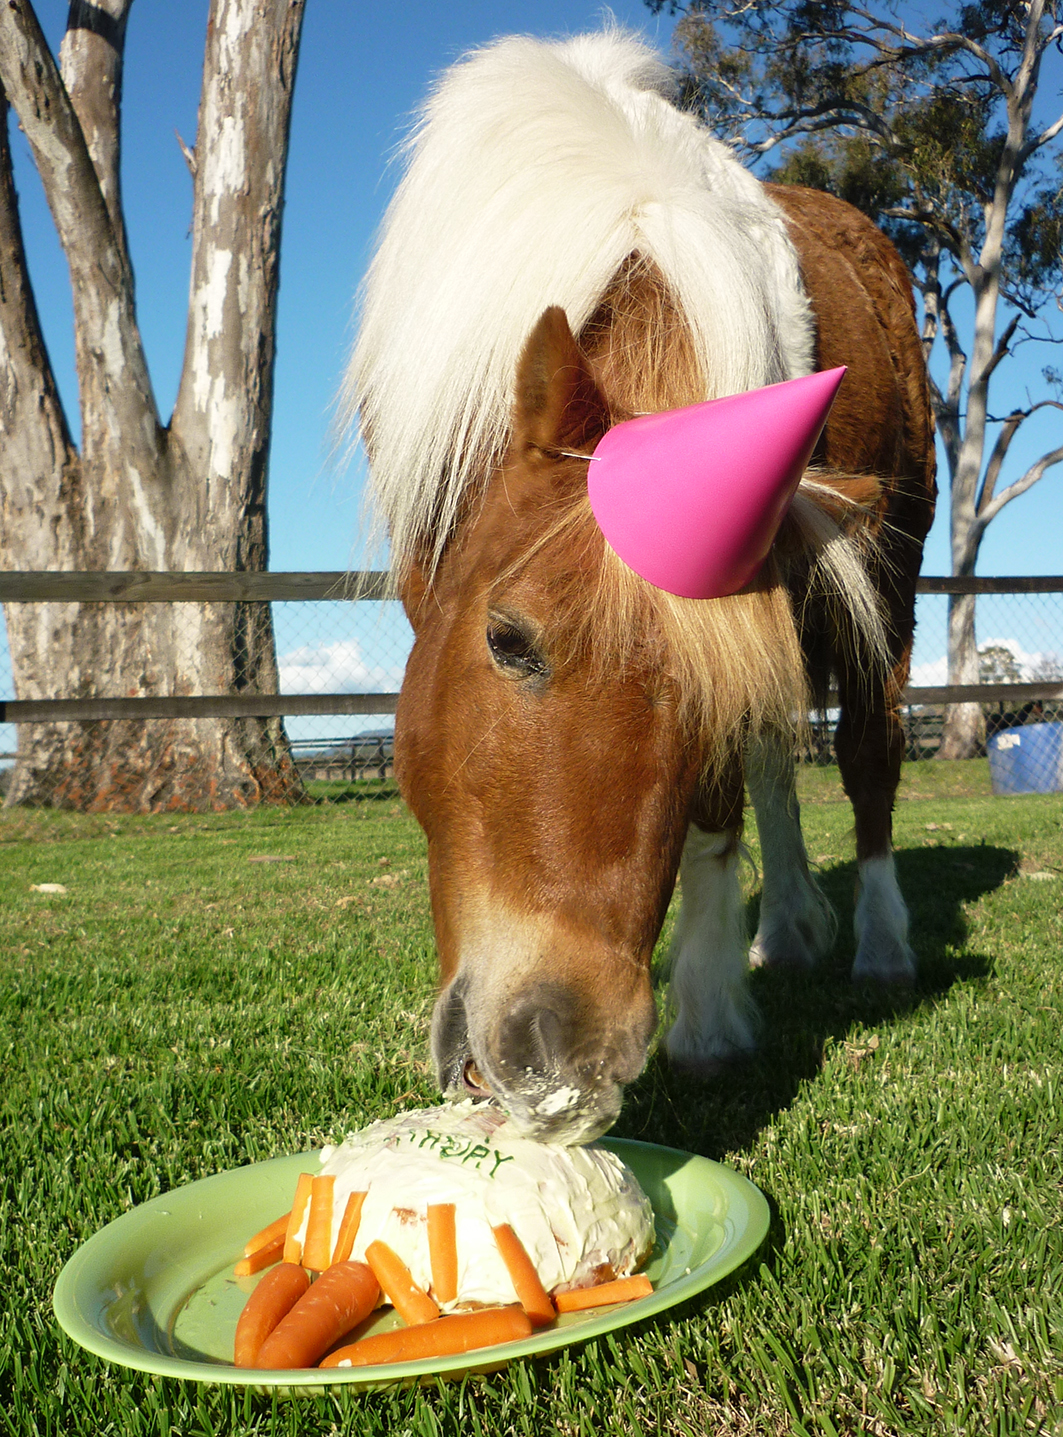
<point>182,1009</point>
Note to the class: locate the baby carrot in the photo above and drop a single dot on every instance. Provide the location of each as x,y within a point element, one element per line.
<point>340,1298</point>
<point>317,1245</point>
<point>352,1217</point>
<point>268,1235</point>
<point>533,1297</point>
<point>624,1289</point>
<point>462,1333</point>
<point>443,1250</point>
<point>411,1302</point>
<point>272,1300</point>
<point>260,1258</point>
<point>293,1248</point>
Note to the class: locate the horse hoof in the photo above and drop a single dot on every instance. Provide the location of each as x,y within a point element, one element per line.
<point>690,1066</point>
<point>773,954</point>
<point>896,968</point>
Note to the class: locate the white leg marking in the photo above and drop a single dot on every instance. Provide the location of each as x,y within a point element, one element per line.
<point>797,925</point>
<point>714,1016</point>
<point>881,925</point>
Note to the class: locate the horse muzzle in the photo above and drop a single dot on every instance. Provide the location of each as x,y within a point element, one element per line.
<point>548,1056</point>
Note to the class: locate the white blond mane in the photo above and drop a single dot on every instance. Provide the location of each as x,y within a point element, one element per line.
<point>535,171</point>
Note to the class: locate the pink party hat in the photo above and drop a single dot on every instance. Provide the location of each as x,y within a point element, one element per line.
<point>692,499</point>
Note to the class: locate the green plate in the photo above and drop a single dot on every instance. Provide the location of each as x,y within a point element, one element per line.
<point>154,1290</point>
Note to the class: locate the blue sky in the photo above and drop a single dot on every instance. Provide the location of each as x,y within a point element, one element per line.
<point>363,68</point>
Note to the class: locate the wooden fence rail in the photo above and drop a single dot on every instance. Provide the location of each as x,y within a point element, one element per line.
<point>43,586</point>
<point>152,588</point>
<point>193,706</point>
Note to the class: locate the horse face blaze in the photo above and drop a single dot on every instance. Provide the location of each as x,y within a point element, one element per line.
<point>550,869</point>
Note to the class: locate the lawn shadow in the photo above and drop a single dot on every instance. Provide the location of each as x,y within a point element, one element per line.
<point>804,1012</point>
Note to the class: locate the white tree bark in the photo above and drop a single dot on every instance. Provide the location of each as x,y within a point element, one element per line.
<point>140,496</point>
<point>963,420</point>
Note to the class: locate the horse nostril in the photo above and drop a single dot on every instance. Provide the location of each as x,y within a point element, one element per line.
<point>473,1080</point>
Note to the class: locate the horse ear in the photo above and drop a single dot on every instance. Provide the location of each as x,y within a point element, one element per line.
<point>558,404</point>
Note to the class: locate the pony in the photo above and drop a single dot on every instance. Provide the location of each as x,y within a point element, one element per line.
<point>566,250</point>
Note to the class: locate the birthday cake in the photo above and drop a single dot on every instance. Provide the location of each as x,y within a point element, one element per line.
<point>578,1211</point>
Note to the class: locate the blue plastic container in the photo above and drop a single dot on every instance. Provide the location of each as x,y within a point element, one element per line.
<point>1027,759</point>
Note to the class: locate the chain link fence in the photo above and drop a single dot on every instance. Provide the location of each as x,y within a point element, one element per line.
<point>1020,642</point>
<point>358,649</point>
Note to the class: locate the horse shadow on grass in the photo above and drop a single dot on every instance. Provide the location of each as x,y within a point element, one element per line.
<point>806,1013</point>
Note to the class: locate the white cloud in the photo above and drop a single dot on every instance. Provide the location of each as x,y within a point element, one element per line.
<point>1030,666</point>
<point>930,676</point>
<point>338,668</point>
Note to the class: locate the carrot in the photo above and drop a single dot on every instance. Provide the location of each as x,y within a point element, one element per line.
<point>317,1245</point>
<point>461,1333</point>
<point>411,1302</point>
<point>624,1289</point>
<point>260,1258</point>
<point>443,1249</point>
<point>293,1248</point>
<point>268,1235</point>
<point>339,1299</point>
<point>531,1294</point>
<point>349,1223</point>
<point>272,1300</point>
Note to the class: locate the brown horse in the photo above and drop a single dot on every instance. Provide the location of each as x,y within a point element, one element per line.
<point>567,250</point>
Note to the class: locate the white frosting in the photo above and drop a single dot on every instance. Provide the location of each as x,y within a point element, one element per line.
<point>575,1209</point>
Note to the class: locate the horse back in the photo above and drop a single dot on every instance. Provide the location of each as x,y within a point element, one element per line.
<point>861,296</point>
<point>881,423</point>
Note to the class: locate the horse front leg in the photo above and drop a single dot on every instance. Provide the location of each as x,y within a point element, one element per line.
<point>797,924</point>
<point>870,745</point>
<point>713,1016</point>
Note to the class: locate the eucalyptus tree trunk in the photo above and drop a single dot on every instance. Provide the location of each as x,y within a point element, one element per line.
<point>138,495</point>
<point>973,475</point>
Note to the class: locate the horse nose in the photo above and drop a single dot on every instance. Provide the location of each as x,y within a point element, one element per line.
<point>551,1030</point>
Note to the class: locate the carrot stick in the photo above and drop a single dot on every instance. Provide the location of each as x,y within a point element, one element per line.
<point>339,1299</point>
<point>349,1224</point>
<point>260,1258</point>
<point>533,1297</point>
<point>272,1300</point>
<point>268,1235</point>
<point>624,1289</point>
<point>461,1333</point>
<point>293,1248</point>
<point>443,1250</point>
<point>317,1245</point>
<point>411,1302</point>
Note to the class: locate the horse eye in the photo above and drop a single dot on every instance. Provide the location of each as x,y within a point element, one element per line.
<point>513,650</point>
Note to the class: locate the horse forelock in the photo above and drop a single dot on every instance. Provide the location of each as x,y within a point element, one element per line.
<point>731,666</point>
<point>724,665</point>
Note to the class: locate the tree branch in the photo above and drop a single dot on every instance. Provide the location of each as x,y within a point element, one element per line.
<point>112,370</point>
<point>37,453</point>
<point>1011,427</point>
<point>1003,345</point>
<point>937,225</point>
<point>1046,136</point>
<point>90,60</point>
<point>1035,472</point>
<point>26,355</point>
<point>957,353</point>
